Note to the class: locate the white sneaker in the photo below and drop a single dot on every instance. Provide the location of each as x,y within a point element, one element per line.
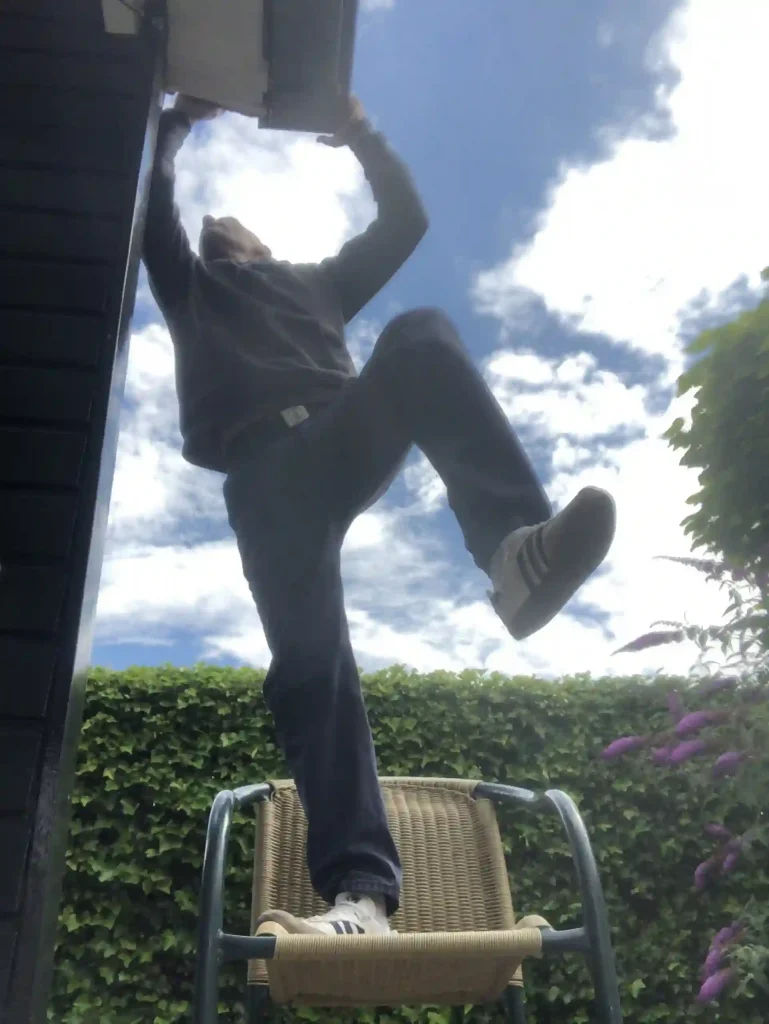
<point>352,914</point>
<point>537,569</point>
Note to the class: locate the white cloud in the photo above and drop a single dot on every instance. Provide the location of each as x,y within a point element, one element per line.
<point>292,192</point>
<point>625,244</point>
<point>155,490</point>
<point>377,5</point>
<point>361,339</point>
<point>605,35</point>
<point>585,400</point>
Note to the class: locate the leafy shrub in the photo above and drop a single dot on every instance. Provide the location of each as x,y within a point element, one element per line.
<point>728,439</point>
<point>722,719</point>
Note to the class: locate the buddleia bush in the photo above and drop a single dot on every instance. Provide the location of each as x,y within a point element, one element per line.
<point>719,720</point>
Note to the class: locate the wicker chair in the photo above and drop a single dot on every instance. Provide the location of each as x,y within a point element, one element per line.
<point>456,940</point>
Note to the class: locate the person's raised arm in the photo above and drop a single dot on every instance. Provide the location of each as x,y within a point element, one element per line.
<point>366,263</point>
<point>166,250</point>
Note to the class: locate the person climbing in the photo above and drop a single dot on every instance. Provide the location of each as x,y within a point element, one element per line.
<point>269,396</point>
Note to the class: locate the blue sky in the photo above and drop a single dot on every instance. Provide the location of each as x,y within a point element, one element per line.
<point>591,181</point>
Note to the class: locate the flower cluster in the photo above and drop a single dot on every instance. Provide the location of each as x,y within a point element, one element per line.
<point>716,974</point>
<point>681,743</point>
<point>724,858</point>
<point>726,751</point>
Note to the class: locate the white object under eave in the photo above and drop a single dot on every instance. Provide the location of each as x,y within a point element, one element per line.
<point>214,49</point>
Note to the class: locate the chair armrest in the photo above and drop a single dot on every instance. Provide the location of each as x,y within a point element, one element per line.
<point>508,794</point>
<point>246,796</point>
<point>596,921</point>
<point>212,889</point>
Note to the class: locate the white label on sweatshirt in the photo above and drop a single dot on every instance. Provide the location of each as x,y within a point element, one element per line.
<point>295,415</point>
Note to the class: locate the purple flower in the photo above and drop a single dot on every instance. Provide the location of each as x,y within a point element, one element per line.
<point>717,684</point>
<point>715,984</point>
<point>687,749</point>
<point>697,720</point>
<point>713,961</point>
<point>675,705</point>
<point>727,935</point>
<point>730,861</point>
<point>624,745</point>
<point>702,872</point>
<point>653,640</point>
<point>718,832</point>
<point>661,755</point>
<point>728,763</point>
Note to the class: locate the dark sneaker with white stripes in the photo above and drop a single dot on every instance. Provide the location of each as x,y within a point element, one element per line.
<point>538,569</point>
<point>351,915</point>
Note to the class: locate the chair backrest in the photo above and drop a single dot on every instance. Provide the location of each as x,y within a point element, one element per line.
<point>454,872</point>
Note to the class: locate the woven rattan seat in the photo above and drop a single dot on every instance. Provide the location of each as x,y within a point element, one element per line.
<point>457,939</point>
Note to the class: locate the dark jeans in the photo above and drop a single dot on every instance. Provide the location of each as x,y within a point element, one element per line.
<point>290,504</point>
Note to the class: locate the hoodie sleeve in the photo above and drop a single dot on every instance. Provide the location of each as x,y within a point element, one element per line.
<point>366,263</point>
<point>166,250</point>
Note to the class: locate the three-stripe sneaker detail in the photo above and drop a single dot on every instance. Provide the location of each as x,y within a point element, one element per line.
<point>531,557</point>
<point>538,569</point>
<point>348,928</point>
<point>352,914</point>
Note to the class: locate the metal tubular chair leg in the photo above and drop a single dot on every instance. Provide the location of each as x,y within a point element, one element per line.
<point>515,1005</point>
<point>594,906</point>
<point>257,1003</point>
<point>211,912</point>
<point>596,923</point>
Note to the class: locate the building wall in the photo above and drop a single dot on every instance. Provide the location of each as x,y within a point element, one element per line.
<point>78,112</point>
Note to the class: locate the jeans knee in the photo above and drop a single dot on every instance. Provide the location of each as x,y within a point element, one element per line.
<point>309,674</point>
<point>297,683</point>
<point>426,327</point>
<point>425,319</point>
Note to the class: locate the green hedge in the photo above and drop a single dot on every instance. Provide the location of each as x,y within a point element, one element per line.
<point>157,746</point>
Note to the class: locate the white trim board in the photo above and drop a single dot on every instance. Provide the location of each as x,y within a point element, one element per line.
<point>214,49</point>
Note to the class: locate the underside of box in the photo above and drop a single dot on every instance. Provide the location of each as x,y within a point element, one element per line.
<point>287,62</point>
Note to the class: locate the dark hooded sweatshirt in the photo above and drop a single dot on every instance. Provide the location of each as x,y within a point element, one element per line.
<point>252,339</point>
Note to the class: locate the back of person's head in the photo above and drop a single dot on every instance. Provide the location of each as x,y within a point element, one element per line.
<point>225,238</point>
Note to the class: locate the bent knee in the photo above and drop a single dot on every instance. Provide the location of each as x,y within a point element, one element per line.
<point>428,326</point>
<point>421,319</point>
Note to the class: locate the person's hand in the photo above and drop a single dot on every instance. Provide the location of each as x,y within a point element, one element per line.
<point>355,117</point>
<point>196,109</point>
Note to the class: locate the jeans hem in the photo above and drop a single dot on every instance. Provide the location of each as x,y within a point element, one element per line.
<point>364,884</point>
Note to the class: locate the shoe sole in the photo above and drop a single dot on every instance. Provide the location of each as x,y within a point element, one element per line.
<point>280,922</point>
<point>593,521</point>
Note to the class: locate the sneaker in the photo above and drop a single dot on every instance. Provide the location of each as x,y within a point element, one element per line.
<point>352,914</point>
<point>537,569</point>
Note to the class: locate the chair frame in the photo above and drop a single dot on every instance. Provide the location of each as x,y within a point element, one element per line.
<point>592,939</point>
